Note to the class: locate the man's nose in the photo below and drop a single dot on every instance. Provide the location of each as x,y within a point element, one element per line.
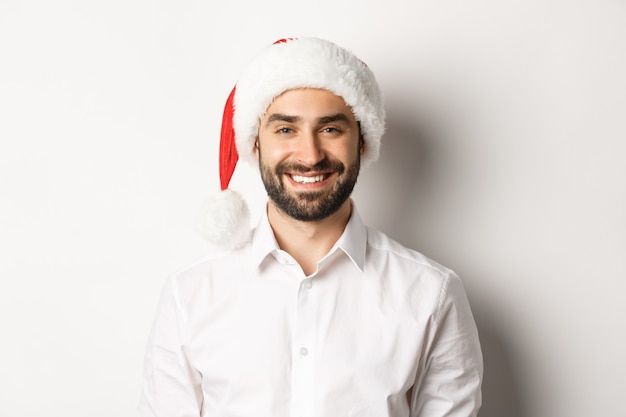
<point>309,150</point>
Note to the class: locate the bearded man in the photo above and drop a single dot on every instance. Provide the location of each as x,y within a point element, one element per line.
<point>311,313</point>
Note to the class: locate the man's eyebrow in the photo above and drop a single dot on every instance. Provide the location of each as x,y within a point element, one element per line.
<point>339,117</point>
<point>278,117</point>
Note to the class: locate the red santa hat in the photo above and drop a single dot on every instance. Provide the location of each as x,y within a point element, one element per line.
<point>285,65</point>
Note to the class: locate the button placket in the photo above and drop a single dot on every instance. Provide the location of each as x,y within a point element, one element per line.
<point>303,365</point>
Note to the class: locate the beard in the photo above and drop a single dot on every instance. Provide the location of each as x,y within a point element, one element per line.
<point>310,206</point>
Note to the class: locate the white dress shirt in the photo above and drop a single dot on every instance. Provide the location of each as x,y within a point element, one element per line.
<point>377,330</point>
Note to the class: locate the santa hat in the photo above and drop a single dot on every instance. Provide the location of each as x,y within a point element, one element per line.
<point>285,65</point>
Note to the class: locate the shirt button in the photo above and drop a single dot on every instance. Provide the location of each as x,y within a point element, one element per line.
<point>304,351</point>
<point>307,284</point>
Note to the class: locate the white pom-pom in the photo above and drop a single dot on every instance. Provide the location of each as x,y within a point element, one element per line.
<point>226,220</point>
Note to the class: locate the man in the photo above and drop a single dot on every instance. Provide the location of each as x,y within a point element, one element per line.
<point>312,313</point>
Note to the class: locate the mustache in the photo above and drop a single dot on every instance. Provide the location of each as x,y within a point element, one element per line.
<point>323,165</point>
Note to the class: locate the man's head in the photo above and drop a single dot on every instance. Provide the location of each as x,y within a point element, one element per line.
<point>301,66</point>
<point>309,148</point>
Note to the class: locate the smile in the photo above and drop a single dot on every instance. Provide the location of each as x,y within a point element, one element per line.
<point>307,180</point>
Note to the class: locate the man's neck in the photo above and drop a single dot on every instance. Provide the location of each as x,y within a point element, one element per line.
<point>308,242</point>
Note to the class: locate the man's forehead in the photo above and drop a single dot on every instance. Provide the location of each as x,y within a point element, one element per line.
<point>306,101</point>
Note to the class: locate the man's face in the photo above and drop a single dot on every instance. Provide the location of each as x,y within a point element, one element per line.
<point>309,150</point>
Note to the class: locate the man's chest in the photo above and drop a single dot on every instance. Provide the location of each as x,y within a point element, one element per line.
<point>304,344</point>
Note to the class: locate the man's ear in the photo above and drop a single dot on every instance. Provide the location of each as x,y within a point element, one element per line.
<point>361,140</point>
<point>256,147</point>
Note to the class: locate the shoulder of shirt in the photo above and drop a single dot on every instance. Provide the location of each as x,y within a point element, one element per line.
<point>213,254</point>
<point>201,266</point>
<point>379,241</point>
<point>425,292</point>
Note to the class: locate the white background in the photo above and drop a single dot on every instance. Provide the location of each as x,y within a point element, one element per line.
<point>504,160</point>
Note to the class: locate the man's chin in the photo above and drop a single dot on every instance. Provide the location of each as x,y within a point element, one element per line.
<point>302,209</point>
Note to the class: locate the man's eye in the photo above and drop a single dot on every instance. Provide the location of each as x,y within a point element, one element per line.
<point>330,130</point>
<point>283,130</point>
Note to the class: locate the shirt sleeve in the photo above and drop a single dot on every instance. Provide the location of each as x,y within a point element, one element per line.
<point>450,379</point>
<point>171,386</point>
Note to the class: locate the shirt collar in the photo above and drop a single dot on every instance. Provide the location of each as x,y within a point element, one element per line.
<point>263,240</point>
<point>352,242</point>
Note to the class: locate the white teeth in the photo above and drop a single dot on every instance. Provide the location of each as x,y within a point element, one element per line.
<point>307,180</point>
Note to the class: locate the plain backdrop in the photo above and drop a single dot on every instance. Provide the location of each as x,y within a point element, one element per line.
<point>504,159</point>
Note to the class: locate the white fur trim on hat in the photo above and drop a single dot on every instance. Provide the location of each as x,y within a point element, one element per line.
<point>307,63</point>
